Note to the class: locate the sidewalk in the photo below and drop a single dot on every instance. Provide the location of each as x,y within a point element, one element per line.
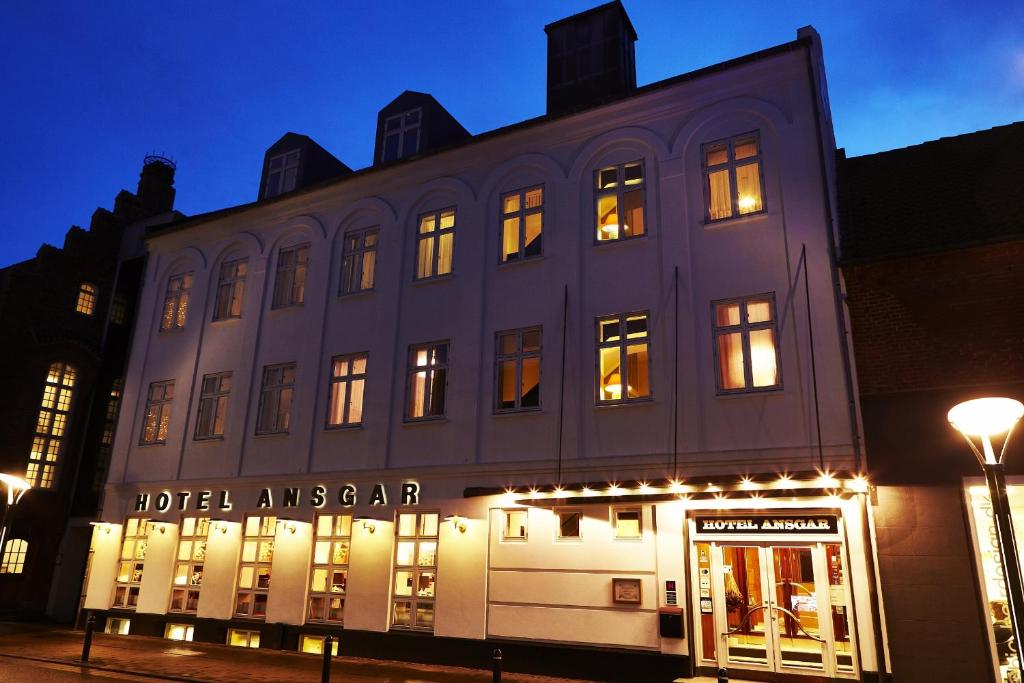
<point>175,661</point>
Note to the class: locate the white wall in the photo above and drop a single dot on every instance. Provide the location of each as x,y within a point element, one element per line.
<point>158,568</point>
<point>220,571</point>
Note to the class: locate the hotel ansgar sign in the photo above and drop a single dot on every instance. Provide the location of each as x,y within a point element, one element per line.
<point>290,497</point>
<point>768,524</point>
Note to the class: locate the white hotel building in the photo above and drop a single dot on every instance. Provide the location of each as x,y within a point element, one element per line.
<point>578,388</point>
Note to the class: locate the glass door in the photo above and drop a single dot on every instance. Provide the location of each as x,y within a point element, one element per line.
<point>799,643</point>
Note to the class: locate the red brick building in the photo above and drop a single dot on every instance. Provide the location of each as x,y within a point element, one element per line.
<point>933,258</point>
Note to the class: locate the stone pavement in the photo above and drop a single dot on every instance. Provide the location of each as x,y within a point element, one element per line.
<point>167,660</point>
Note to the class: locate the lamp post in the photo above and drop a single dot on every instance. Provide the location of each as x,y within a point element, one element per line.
<point>983,419</point>
<point>15,488</point>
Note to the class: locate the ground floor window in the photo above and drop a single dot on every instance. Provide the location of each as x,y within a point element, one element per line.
<point>415,570</point>
<point>13,561</point>
<point>254,569</point>
<point>329,574</point>
<point>133,557</point>
<point>314,645</point>
<point>188,567</point>
<point>118,627</point>
<point>178,632</point>
<point>242,638</point>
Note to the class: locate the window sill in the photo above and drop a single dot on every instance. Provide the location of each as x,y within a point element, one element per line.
<point>423,281</point>
<point>207,439</point>
<point>518,412</point>
<point>224,321</point>
<point>288,307</point>
<point>502,265</point>
<point>416,421</point>
<point>344,428</point>
<point>749,393</point>
<point>736,220</point>
<point>638,239</point>
<point>624,404</point>
<point>147,444</point>
<point>356,294</point>
<point>263,435</point>
<point>171,330</point>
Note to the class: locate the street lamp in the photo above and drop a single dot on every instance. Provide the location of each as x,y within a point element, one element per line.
<point>983,419</point>
<point>15,488</point>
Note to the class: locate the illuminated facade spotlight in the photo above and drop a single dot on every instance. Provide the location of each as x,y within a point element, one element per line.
<point>748,484</point>
<point>645,488</point>
<point>859,484</point>
<point>784,481</point>
<point>827,480</point>
<point>712,488</point>
<point>614,490</point>
<point>676,486</point>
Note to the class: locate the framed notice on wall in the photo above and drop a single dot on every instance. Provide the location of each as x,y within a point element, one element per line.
<point>626,591</point>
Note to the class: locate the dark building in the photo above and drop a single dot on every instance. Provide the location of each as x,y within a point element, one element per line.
<point>65,323</point>
<point>933,258</point>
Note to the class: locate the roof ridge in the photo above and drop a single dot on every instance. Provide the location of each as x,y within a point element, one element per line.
<point>944,138</point>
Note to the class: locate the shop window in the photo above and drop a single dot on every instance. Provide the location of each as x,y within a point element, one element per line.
<point>230,289</point>
<point>435,242</point>
<point>290,279</point>
<point>314,645</point>
<point>623,362</point>
<point>213,405</point>
<point>13,560</point>
<point>158,412</point>
<point>51,423</point>
<point>401,135</point>
<point>242,638</point>
<point>275,412</point>
<point>176,300</point>
<point>178,632</point>
<point>133,557</point>
<point>86,302</point>
<point>732,172</point>
<point>627,523</point>
<point>745,344</point>
<point>118,627</point>
<point>428,379</point>
<point>620,202</point>
<point>517,370</point>
<point>329,575</point>
<point>254,569</point>
<point>358,260</point>
<point>522,224</point>
<point>188,567</point>
<point>282,173</point>
<point>515,524</point>
<point>348,381</point>
<point>569,524</point>
<point>415,571</point>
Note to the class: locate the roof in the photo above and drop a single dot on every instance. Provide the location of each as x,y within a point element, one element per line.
<point>196,219</point>
<point>947,193</point>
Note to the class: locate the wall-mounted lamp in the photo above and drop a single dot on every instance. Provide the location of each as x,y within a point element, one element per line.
<point>162,528</point>
<point>220,525</point>
<point>101,525</point>
<point>287,524</point>
<point>458,523</point>
<point>369,523</point>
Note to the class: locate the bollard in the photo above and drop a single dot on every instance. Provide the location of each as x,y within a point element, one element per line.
<point>90,624</point>
<point>723,675</point>
<point>325,672</point>
<point>496,667</point>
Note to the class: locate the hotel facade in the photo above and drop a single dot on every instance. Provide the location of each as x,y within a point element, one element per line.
<point>579,388</point>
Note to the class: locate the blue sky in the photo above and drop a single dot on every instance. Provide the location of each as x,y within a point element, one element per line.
<point>89,88</point>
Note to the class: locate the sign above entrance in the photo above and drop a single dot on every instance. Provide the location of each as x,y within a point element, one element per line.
<point>767,524</point>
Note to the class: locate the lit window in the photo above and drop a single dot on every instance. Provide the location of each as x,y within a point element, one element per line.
<point>517,369</point>
<point>620,202</point>
<point>107,437</point>
<point>435,241</point>
<point>254,569</point>
<point>401,135</point>
<point>569,523</point>
<point>118,627</point>
<point>732,169</point>
<point>213,405</point>
<point>745,344</point>
<point>129,569</point>
<point>314,645</point>
<point>623,362</point>
<point>348,380</point>
<point>428,379</point>
<point>522,224</point>
<point>119,310</point>
<point>359,260</point>
<point>415,570</point>
<point>230,289</point>
<point>158,412</point>
<point>188,566</point>
<point>178,632</point>
<point>241,638</point>
<point>86,303</point>
<point>514,525</point>
<point>51,423</point>
<point>179,289</point>
<point>626,523</point>
<point>282,173</point>
<point>329,575</point>
<point>276,399</point>
<point>290,283</point>
<point>13,561</point>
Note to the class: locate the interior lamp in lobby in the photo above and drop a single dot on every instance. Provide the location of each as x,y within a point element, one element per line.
<point>988,421</point>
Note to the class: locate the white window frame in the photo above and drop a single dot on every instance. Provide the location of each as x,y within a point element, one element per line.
<point>265,532</point>
<point>329,543</point>
<point>216,400</point>
<point>157,412</point>
<point>558,525</point>
<point>177,296</point>
<point>416,569</point>
<point>505,520</point>
<point>345,385</point>
<point>286,292</point>
<point>190,562</point>
<point>622,344</point>
<point>744,329</point>
<point>402,130</point>
<point>132,559</point>
<point>730,165</point>
<point>429,371</point>
<point>278,179</point>
<point>270,400</point>
<point>230,289</point>
<point>358,246</point>
<point>520,216</point>
<point>435,237</point>
<point>615,512</point>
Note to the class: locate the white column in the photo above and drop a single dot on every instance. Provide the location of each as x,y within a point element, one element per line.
<point>289,572</point>
<point>103,570</point>
<point>158,568</point>
<point>367,603</point>
<point>461,602</point>
<point>671,553</point>
<point>217,595</point>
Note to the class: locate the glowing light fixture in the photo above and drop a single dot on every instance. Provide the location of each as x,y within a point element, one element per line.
<point>614,490</point>
<point>746,202</point>
<point>827,481</point>
<point>985,418</point>
<point>712,488</point>
<point>105,526</point>
<point>748,484</point>
<point>645,488</point>
<point>676,486</point>
<point>369,523</point>
<point>458,523</point>
<point>859,484</point>
<point>16,487</point>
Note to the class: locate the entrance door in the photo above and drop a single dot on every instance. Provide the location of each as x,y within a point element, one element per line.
<point>780,608</point>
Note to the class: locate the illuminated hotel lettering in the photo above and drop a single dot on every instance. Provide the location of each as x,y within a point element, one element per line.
<point>410,493</point>
<point>318,499</point>
<point>769,524</point>
<point>163,501</point>
<point>378,497</point>
<point>265,500</point>
<point>224,503</point>
<point>203,500</point>
<point>347,495</point>
<point>183,499</point>
<point>291,497</point>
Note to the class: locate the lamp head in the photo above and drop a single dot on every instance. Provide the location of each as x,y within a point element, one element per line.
<point>985,418</point>
<point>16,487</point>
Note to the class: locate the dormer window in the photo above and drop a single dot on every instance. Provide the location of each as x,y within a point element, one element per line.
<point>401,135</point>
<point>282,173</point>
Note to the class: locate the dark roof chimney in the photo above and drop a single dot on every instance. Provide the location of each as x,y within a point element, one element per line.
<point>156,184</point>
<point>590,58</point>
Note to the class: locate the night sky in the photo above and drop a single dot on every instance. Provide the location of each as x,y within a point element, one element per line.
<point>89,88</point>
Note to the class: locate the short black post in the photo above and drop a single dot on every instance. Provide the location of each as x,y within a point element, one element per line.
<point>723,675</point>
<point>325,672</point>
<point>496,667</point>
<point>90,624</point>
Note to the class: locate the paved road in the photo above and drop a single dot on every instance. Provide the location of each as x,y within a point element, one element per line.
<point>22,671</point>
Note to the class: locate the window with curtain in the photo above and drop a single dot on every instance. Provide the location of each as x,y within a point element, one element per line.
<point>276,399</point>
<point>746,344</point>
<point>176,300</point>
<point>348,380</point>
<point>213,405</point>
<point>290,279</point>
<point>732,172</point>
<point>623,360</point>
<point>86,303</point>
<point>230,289</point>
<point>435,243</point>
<point>428,379</point>
<point>51,424</point>
<point>517,369</point>
<point>522,224</point>
<point>620,202</point>
<point>359,260</point>
<point>158,412</point>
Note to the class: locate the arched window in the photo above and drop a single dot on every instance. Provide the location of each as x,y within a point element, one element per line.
<point>86,304</point>
<point>54,409</point>
<point>13,561</point>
